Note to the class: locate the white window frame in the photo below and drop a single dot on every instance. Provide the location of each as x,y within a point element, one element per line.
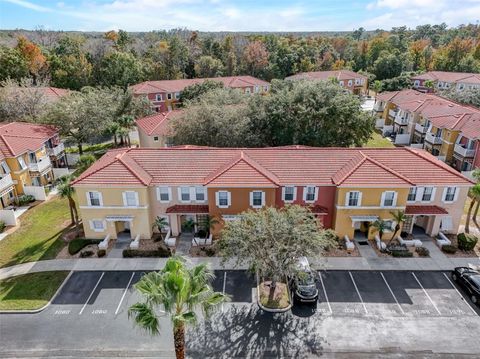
<point>432,195</point>
<point>125,195</point>
<point>169,96</point>
<point>5,167</point>
<point>198,190</point>
<point>94,228</point>
<point>168,192</point>
<point>180,198</point>
<point>21,162</point>
<point>155,138</point>
<point>262,199</point>
<point>100,199</point>
<point>414,193</point>
<point>342,83</point>
<point>347,199</point>
<point>350,83</point>
<point>217,199</point>
<point>416,83</point>
<point>177,95</point>
<point>265,88</point>
<point>247,90</point>
<point>445,194</point>
<point>158,97</point>
<point>315,193</point>
<point>384,198</point>
<point>294,197</point>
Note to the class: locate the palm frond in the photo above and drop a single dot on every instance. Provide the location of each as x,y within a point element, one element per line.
<point>145,317</point>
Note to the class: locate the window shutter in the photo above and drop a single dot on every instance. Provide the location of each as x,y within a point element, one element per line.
<point>305,193</point>
<point>88,198</point>
<point>217,199</point>
<point>294,193</point>
<point>455,196</point>
<point>124,196</point>
<point>395,195</point>
<point>432,198</point>
<point>382,200</point>
<point>317,189</point>
<point>444,195</point>
<point>192,194</point>
<point>283,193</point>
<point>158,193</point>
<point>419,195</point>
<point>100,198</point>
<point>137,201</point>
<point>91,225</point>
<point>229,196</point>
<point>263,198</point>
<point>346,198</point>
<point>169,194</point>
<point>251,199</point>
<point>179,190</point>
<point>359,199</point>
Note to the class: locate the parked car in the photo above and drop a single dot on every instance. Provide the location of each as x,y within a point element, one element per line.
<point>469,280</point>
<point>304,286</point>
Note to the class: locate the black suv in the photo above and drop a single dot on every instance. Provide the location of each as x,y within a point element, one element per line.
<point>469,280</point>
<point>303,284</point>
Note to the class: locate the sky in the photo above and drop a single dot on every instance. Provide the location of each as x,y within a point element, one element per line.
<point>233,15</point>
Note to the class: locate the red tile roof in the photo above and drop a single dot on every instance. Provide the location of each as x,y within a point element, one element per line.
<point>158,123</point>
<point>19,137</point>
<point>271,166</point>
<point>319,210</point>
<point>187,208</point>
<point>325,75</point>
<point>449,77</point>
<point>424,210</point>
<point>170,86</point>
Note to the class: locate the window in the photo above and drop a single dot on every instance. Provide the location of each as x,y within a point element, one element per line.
<point>155,138</point>
<point>257,199</point>
<point>353,199</point>
<point>130,199</point>
<point>97,225</point>
<point>5,168</point>
<point>389,225</point>
<point>247,90</point>
<point>169,96</point>
<point>350,82</point>
<point>257,88</point>
<point>223,199</point>
<point>94,198</point>
<point>416,83</point>
<point>342,83</point>
<point>449,194</point>
<point>21,163</point>
<point>412,194</point>
<point>164,194</point>
<point>199,194</point>
<point>184,194</point>
<point>289,194</point>
<point>427,194</point>
<point>310,194</point>
<point>158,97</point>
<point>265,88</point>
<point>388,199</point>
<point>177,95</point>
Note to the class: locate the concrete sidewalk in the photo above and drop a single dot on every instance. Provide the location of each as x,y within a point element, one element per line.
<point>327,263</point>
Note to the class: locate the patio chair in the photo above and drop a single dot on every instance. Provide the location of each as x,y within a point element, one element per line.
<point>442,240</point>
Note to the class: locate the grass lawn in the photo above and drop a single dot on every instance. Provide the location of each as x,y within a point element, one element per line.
<point>29,291</point>
<point>38,237</point>
<point>378,141</point>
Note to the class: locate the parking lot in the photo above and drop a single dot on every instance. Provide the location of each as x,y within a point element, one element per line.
<point>341,293</point>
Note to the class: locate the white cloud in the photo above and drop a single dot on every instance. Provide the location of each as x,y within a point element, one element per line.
<point>29,5</point>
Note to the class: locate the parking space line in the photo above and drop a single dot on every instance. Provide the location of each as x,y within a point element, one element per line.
<point>124,293</point>
<point>224,284</point>
<point>90,296</point>
<point>428,296</point>
<point>325,293</point>
<point>391,292</point>
<point>460,294</point>
<point>358,292</point>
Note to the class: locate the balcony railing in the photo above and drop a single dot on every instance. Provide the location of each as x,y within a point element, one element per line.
<point>378,108</point>
<point>420,128</point>
<point>401,121</point>
<point>6,182</point>
<point>41,165</point>
<point>392,113</point>
<point>55,151</point>
<point>464,152</point>
<point>430,137</point>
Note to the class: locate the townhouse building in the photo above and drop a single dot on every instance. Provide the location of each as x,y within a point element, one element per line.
<point>165,95</point>
<point>155,130</point>
<point>448,130</point>
<point>350,80</point>
<point>443,80</point>
<point>29,152</point>
<point>346,188</point>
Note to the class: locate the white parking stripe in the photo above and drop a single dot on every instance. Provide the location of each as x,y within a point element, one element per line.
<point>124,293</point>
<point>460,294</point>
<point>428,296</point>
<point>90,296</point>
<point>325,293</point>
<point>391,292</point>
<point>224,284</point>
<point>358,292</point>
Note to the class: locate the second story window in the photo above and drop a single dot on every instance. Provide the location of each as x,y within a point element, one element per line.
<point>177,95</point>
<point>342,83</point>
<point>257,199</point>
<point>155,138</point>
<point>353,199</point>
<point>94,198</point>
<point>412,194</point>
<point>21,163</point>
<point>388,199</point>
<point>169,96</point>
<point>158,97</point>
<point>449,194</point>
<point>223,199</point>
<point>310,194</point>
<point>184,194</point>
<point>200,194</point>
<point>427,194</point>
<point>130,199</point>
<point>5,168</point>
<point>350,83</point>
<point>289,194</point>
<point>164,194</point>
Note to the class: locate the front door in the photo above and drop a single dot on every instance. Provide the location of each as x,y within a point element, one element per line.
<point>187,222</point>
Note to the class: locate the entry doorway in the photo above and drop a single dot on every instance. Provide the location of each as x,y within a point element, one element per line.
<point>361,231</point>
<point>123,229</point>
<point>188,223</point>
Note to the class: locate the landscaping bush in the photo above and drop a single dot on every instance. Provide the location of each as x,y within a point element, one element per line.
<point>101,253</point>
<point>2,226</point>
<point>25,199</point>
<point>401,253</point>
<point>201,234</point>
<point>87,253</point>
<point>422,251</point>
<point>466,241</point>
<point>77,244</point>
<point>448,248</point>
<point>162,251</point>
<point>209,251</point>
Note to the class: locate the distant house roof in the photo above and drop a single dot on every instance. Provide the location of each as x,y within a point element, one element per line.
<point>19,137</point>
<point>325,75</point>
<point>170,86</point>
<point>424,210</point>
<point>301,166</point>
<point>449,77</point>
<point>158,123</point>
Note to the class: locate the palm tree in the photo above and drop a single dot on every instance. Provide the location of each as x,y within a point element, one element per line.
<point>399,217</point>
<point>380,225</point>
<point>474,194</point>
<point>160,223</point>
<point>209,223</point>
<point>178,291</point>
<point>84,162</point>
<point>66,190</point>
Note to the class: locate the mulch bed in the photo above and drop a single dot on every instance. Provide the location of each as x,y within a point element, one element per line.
<point>342,252</point>
<point>373,244</point>
<point>280,295</point>
<point>460,253</point>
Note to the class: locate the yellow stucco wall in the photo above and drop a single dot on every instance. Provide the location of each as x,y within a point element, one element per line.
<point>148,141</point>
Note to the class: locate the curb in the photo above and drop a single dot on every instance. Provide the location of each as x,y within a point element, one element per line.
<point>34,311</point>
<point>272,310</point>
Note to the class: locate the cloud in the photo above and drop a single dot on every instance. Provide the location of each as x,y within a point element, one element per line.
<point>29,5</point>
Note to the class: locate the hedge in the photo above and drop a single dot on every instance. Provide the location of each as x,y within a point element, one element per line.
<point>422,251</point>
<point>77,244</point>
<point>466,241</point>
<point>402,254</point>
<point>161,252</point>
<point>448,248</point>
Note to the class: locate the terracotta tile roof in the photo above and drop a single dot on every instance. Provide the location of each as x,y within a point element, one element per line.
<point>449,76</point>
<point>170,86</point>
<point>19,137</point>
<point>424,210</point>
<point>158,123</point>
<point>271,166</point>
<point>319,210</point>
<point>325,75</point>
<point>188,208</point>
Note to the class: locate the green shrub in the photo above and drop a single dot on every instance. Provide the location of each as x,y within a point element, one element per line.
<point>77,244</point>
<point>404,254</point>
<point>101,253</point>
<point>162,251</point>
<point>87,253</point>
<point>448,248</point>
<point>25,199</point>
<point>466,241</point>
<point>2,226</point>
<point>422,251</point>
